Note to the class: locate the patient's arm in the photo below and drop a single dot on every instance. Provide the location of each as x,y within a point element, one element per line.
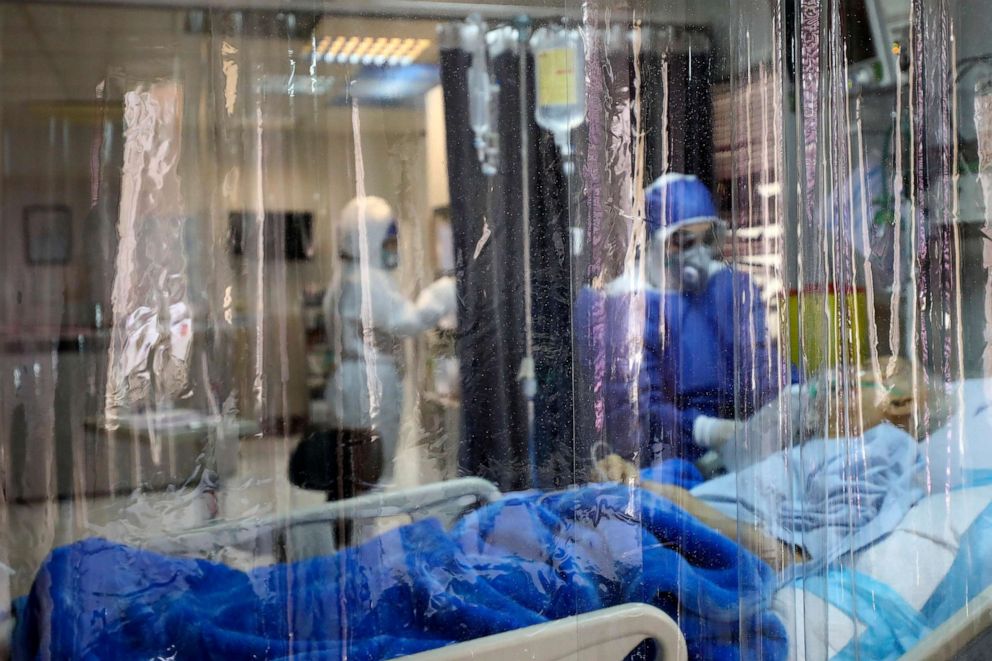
<point>771,550</point>
<point>777,554</point>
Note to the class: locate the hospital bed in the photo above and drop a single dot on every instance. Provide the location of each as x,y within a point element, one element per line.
<point>609,633</point>
<point>926,541</point>
<point>910,565</point>
<point>965,637</point>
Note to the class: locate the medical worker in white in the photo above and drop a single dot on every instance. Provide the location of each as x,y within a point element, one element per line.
<point>367,318</point>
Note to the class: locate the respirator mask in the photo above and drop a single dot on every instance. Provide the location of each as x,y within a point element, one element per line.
<point>690,259</point>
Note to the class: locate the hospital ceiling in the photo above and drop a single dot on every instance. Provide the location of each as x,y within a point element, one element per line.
<point>53,57</point>
<point>58,53</point>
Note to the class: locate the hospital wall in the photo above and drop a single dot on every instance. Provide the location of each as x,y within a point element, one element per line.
<point>308,168</point>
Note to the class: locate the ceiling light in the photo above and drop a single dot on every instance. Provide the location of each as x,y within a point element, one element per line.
<point>378,51</point>
<point>333,50</point>
<point>323,46</point>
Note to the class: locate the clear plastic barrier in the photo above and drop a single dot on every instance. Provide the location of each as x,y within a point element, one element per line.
<point>541,330</point>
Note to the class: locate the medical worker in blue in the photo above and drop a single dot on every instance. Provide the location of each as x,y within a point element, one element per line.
<point>706,360</point>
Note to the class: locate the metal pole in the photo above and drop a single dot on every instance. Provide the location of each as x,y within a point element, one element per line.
<point>527,374</point>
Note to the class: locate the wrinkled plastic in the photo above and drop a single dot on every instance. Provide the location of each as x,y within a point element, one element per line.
<point>242,416</point>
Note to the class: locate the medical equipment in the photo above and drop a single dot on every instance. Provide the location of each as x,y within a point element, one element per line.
<point>481,93</point>
<point>527,374</point>
<point>560,82</point>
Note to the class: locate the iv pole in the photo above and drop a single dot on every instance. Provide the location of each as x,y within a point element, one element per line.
<point>527,375</point>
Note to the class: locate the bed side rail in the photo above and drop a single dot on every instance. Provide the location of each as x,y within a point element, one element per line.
<point>965,636</point>
<point>307,532</point>
<point>608,634</point>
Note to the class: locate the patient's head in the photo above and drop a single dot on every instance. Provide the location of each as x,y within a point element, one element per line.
<point>860,397</point>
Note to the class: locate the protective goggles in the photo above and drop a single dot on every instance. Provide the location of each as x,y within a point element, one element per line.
<point>685,239</point>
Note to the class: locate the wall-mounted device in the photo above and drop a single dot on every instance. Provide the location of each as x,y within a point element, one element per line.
<point>871,53</point>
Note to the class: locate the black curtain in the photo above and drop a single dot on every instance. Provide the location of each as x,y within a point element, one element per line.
<point>497,442</point>
<point>690,113</point>
<point>487,227</point>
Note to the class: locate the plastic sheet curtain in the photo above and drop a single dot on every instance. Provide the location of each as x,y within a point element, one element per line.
<point>676,106</point>
<point>887,209</point>
<point>710,380</point>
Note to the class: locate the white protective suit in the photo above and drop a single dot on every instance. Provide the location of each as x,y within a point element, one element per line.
<point>367,318</point>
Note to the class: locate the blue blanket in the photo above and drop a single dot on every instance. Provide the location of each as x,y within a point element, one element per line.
<point>524,560</point>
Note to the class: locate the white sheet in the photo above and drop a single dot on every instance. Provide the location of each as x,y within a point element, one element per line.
<point>912,561</point>
<point>964,443</point>
<point>917,555</point>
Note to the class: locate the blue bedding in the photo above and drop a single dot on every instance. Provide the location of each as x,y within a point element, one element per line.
<point>524,560</point>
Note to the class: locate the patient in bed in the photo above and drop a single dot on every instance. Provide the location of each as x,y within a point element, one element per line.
<point>774,552</point>
<point>794,500</point>
<point>841,403</point>
<point>848,403</point>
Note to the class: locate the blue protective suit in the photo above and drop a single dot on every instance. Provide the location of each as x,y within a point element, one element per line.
<point>704,353</point>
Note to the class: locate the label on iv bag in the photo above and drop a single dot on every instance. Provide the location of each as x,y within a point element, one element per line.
<point>556,77</point>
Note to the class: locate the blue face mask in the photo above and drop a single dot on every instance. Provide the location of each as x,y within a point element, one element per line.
<point>390,248</point>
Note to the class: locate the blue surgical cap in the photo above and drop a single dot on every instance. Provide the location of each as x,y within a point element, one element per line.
<point>674,200</point>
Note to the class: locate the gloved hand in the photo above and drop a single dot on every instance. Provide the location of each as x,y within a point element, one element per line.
<point>713,433</point>
<point>779,423</point>
<point>439,298</point>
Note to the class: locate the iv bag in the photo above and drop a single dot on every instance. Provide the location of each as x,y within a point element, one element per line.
<point>481,92</point>
<point>560,81</point>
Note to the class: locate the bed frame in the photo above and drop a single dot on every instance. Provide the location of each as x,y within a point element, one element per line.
<point>966,636</point>
<point>603,635</point>
<point>309,532</point>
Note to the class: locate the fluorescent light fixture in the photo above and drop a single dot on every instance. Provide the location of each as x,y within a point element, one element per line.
<point>322,47</point>
<point>376,51</point>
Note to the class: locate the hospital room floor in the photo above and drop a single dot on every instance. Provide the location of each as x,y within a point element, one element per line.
<point>259,487</point>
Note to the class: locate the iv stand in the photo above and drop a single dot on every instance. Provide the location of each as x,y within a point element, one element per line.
<point>527,375</point>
